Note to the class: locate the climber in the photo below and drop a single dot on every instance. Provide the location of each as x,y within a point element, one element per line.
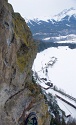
<point>31,119</point>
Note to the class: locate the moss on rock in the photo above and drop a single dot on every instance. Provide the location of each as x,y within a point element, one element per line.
<point>17,53</point>
<point>26,45</point>
<point>21,30</point>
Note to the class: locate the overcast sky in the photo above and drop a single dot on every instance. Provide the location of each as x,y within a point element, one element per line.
<point>40,8</point>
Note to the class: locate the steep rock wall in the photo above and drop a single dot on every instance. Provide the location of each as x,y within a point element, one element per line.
<point>18,94</point>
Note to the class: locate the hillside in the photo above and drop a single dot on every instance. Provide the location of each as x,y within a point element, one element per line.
<point>19,95</point>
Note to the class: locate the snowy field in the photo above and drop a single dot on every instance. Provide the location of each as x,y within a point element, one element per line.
<point>62,73</point>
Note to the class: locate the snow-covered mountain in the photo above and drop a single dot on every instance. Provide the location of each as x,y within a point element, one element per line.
<point>56,28</point>
<point>70,12</point>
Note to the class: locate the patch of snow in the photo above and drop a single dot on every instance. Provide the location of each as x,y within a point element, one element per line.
<point>69,38</point>
<point>67,108</point>
<point>48,38</point>
<point>31,23</point>
<point>68,41</point>
<point>40,33</point>
<point>67,25</point>
<point>66,12</point>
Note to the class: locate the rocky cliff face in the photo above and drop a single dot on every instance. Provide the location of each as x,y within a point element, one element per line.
<point>18,94</point>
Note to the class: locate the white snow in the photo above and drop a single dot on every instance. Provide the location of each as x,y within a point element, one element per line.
<point>48,38</point>
<point>68,41</point>
<point>67,25</point>
<point>44,18</point>
<point>40,33</point>
<point>67,108</point>
<point>66,12</point>
<point>64,106</point>
<point>71,38</point>
<point>62,73</point>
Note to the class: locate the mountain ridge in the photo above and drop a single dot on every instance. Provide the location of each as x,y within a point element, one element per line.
<point>54,27</point>
<point>69,12</point>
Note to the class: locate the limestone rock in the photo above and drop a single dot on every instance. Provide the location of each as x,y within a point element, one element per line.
<point>18,94</point>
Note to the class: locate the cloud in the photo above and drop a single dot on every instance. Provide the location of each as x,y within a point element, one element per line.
<point>36,8</point>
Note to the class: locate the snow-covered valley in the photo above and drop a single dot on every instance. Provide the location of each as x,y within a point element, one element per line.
<point>58,65</point>
<point>54,68</point>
